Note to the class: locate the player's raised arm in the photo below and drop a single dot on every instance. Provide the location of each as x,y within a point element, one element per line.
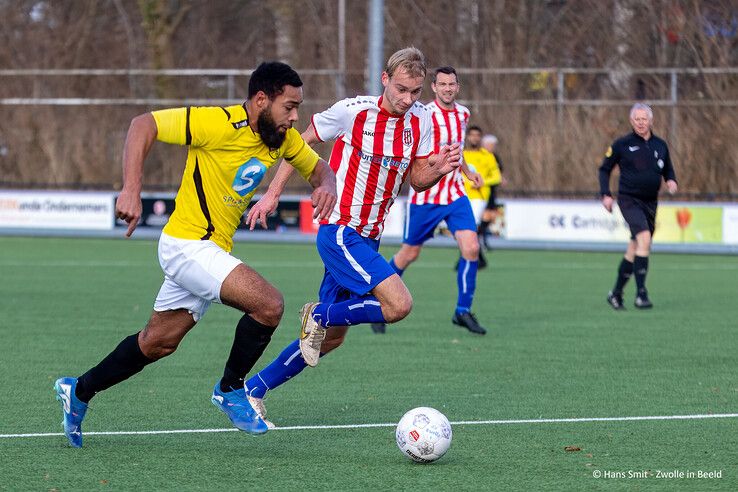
<point>141,136</point>
<point>426,172</point>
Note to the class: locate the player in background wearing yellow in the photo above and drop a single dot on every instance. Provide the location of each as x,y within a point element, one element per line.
<point>230,150</point>
<point>492,217</point>
<point>483,198</point>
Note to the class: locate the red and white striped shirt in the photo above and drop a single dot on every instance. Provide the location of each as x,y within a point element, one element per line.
<point>371,157</point>
<point>449,127</point>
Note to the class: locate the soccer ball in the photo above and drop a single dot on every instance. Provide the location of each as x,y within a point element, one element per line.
<point>423,434</point>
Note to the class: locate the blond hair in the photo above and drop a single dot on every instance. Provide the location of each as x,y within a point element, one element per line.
<point>410,59</point>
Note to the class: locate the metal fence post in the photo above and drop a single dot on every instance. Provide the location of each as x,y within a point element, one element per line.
<point>230,91</point>
<point>341,75</point>
<point>559,97</point>
<point>673,103</point>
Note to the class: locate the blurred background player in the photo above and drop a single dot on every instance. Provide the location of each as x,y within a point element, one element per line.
<point>379,141</point>
<point>489,143</point>
<point>491,217</point>
<point>483,161</point>
<point>230,149</point>
<point>644,161</point>
<point>446,201</point>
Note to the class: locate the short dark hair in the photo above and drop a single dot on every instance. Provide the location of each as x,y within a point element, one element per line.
<point>448,70</point>
<point>271,77</point>
<point>473,128</point>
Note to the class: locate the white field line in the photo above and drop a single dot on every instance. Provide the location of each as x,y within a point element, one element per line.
<point>370,426</point>
<point>315,264</point>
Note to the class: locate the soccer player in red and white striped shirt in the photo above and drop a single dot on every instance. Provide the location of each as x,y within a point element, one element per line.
<point>446,201</point>
<point>380,142</point>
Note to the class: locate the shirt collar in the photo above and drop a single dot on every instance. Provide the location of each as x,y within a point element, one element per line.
<point>635,135</point>
<point>453,110</point>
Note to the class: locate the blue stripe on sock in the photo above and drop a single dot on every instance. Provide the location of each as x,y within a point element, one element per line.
<point>466,280</point>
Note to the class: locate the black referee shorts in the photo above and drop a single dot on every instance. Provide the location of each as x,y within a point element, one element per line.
<point>639,214</point>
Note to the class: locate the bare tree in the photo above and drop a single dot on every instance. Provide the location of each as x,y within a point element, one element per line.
<point>548,147</point>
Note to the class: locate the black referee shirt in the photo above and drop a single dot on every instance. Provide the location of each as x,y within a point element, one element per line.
<point>643,164</point>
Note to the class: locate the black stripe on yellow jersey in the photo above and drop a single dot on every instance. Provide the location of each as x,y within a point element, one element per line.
<point>188,135</point>
<point>197,178</point>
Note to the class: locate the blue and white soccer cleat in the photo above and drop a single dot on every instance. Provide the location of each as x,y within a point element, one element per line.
<point>237,408</point>
<point>73,410</point>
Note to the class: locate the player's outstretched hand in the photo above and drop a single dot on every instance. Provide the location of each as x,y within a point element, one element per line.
<point>671,186</point>
<point>449,158</point>
<point>324,199</point>
<point>607,203</point>
<point>128,207</point>
<point>476,179</point>
<point>259,212</point>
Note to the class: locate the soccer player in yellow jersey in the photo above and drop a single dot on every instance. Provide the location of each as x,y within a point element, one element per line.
<point>230,149</point>
<point>484,198</point>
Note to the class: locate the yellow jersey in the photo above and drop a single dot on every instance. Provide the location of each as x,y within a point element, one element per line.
<point>484,163</point>
<point>226,161</point>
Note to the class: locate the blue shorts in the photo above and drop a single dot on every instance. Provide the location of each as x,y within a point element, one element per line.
<point>422,220</point>
<point>353,265</point>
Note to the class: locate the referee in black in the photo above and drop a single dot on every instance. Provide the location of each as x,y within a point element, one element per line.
<point>644,162</point>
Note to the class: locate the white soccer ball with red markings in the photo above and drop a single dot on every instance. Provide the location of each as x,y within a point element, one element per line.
<point>423,434</point>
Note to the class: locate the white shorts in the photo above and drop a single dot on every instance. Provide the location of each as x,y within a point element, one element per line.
<point>194,272</point>
<point>478,206</point>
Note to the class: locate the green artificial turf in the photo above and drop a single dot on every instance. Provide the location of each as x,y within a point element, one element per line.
<point>555,350</point>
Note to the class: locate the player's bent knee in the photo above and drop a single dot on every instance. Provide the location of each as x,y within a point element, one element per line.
<point>398,310</point>
<point>471,250</point>
<point>162,351</point>
<point>163,333</point>
<point>270,309</point>
<point>158,349</point>
<point>275,310</point>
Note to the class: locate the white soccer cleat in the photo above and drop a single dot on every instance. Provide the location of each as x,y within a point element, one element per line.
<point>311,336</point>
<point>258,405</point>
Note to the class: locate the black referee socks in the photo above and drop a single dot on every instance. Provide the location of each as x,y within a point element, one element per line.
<point>625,271</point>
<point>640,267</point>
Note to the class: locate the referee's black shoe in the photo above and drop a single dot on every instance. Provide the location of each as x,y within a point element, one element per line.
<point>467,320</point>
<point>642,301</point>
<point>615,301</point>
<point>379,328</point>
